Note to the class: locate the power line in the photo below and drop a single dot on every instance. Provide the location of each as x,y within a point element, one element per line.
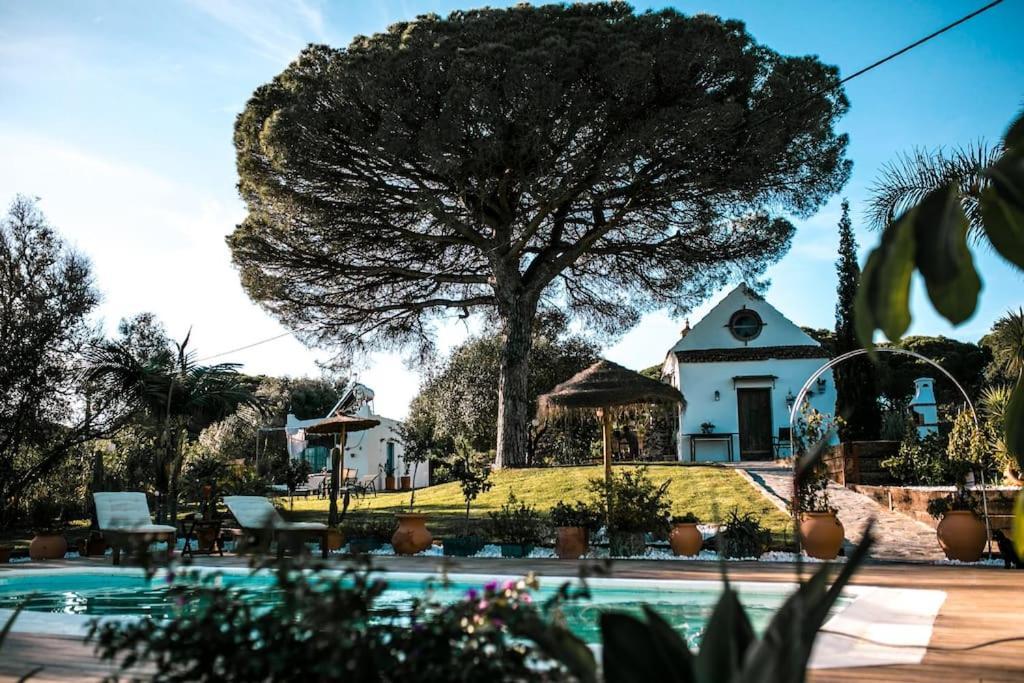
<point>247,346</point>
<point>856,74</point>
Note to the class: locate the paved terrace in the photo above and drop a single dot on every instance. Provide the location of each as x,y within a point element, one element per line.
<point>898,538</point>
<point>983,604</point>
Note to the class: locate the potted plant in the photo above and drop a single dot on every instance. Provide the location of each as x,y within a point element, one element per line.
<point>366,534</point>
<point>573,525</point>
<point>707,427</point>
<point>743,536</point>
<point>633,507</point>
<point>405,481</point>
<point>474,476</point>
<point>960,532</point>
<point>388,468</point>
<point>517,527</point>
<point>821,532</point>
<point>685,538</point>
<point>49,542</point>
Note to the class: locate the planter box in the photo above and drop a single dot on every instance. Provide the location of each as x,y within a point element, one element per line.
<point>462,546</point>
<point>860,462</point>
<point>515,550</point>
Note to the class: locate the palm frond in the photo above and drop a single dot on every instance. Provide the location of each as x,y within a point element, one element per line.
<point>905,181</point>
<point>1007,342</point>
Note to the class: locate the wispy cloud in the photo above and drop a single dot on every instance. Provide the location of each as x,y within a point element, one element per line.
<point>277,30</point>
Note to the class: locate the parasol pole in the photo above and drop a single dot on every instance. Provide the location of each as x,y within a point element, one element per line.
<point>336,455</point>
<point>606,433</point>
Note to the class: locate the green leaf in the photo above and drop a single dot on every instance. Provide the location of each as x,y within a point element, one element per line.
<point>634,652</point>
<point>888,284</point>
<point>943,257</point>
<point>1002,207</point>
<point>1014,138</point>
<point>1013,423</point>
<point>727,637</point>
<point>863,317</point>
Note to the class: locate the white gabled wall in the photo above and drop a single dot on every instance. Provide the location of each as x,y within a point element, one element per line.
<point>699,381</point>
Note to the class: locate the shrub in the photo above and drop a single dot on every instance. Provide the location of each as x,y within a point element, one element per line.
<point>743,536</point>
<point>578,515</point>
<point>920,461</point>
<point>375,527</point>
<point>688,518</point>
<point>516,523</point>
<point>637,505</point>
<point>45,515</point>
<point>959,500</point>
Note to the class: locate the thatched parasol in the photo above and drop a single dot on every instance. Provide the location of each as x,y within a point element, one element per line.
<point>342,425</point>
<point>606,388</point>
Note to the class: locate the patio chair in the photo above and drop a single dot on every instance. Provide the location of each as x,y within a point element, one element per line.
<point>366,484</point>
<point>257,516</point>
<point>124,520</point>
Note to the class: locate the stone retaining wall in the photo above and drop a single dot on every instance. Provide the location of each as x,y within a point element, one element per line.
<point>913,501</point>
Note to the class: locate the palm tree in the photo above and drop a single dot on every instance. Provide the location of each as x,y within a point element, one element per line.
<point>904,182</point>
<point>172,391</point>
<point>1007,343</point>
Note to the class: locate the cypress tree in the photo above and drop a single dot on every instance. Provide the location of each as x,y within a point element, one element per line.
<point>856,384</point>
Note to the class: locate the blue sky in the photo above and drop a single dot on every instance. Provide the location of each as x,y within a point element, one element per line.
<point>118,115</point>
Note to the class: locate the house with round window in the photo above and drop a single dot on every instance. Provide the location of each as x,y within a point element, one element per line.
<point>740,369</point>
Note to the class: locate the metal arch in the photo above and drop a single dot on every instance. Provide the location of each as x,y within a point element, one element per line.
<point>798,402</point>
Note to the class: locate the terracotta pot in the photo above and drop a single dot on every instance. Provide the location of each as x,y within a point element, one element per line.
<point>961,535</point>
<point>412,535</point>
<point>207,490</point>
<point>822,534</point>
<point>406,482</point>
<point>685,539</point>
<point>335,539</point>
<point>571,542</point>
<point>627,543</point>
<point>389,483</point>
<point>48,547</point>
<point>5,553</point>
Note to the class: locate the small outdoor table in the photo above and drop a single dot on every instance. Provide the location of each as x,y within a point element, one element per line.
<point>694,438</point>
<point>195,524</point>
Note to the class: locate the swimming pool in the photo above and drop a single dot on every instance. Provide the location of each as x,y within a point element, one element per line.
<point>65,600</point>
<point>128,593</point>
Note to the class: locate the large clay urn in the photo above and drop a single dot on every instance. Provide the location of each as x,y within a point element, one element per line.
<point>412,535</point>
<point>685,539</point>
<point>571,542</point>
<point>335,538</point>
<point>48,547</point>
<point>821,534</point>
<point>961,535</point>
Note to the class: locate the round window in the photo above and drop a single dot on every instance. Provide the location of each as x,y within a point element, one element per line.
<point>745,324</point>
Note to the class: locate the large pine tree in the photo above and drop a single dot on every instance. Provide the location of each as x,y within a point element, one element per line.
<point>856,384</point>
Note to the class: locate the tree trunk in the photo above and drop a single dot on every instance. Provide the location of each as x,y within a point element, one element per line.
<point>514,409</point>
<point>175,479</point>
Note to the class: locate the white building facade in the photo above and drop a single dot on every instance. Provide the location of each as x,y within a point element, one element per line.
<point>740,369</point>
<point>371,451</point>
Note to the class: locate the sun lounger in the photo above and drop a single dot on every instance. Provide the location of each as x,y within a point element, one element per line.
<point>124,520</point>
<point>257,515</point>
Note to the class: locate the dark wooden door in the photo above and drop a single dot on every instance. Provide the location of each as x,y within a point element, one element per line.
<point>755,422</point>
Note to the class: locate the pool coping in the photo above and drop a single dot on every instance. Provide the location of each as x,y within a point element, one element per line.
<point>880,626</point>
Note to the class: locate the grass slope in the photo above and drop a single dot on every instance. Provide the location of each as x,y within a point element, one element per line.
<point>709,492</point>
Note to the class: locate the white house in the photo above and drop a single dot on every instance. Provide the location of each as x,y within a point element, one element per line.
<point>371,451</point>
<point>740,369</point>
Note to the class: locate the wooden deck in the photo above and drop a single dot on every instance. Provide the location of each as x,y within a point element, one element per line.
<point>983,604</point>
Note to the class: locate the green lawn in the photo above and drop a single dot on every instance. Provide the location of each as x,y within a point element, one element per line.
<point>709,492</point>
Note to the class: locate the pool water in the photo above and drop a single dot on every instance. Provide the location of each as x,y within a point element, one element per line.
<point>685,605</point>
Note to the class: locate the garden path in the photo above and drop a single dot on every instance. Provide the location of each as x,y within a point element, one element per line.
<point>898,538</point>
